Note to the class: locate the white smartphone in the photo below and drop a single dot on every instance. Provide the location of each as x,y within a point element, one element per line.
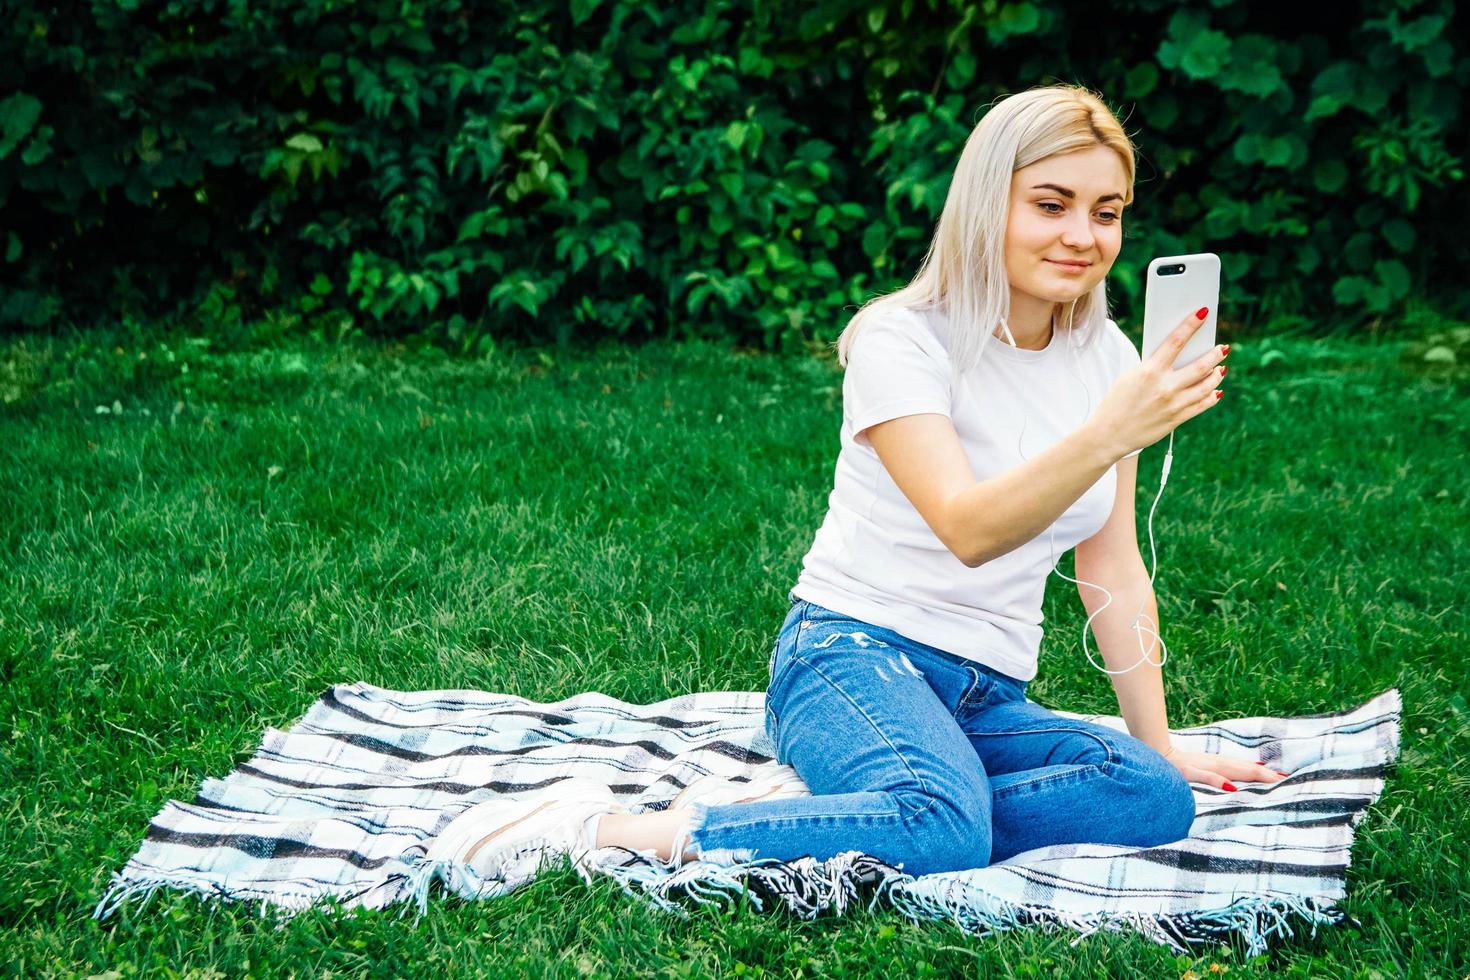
<point>1177,286</point>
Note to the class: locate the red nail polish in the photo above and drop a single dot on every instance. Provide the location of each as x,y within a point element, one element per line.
<point>1230,786</point>
<point>1202,313</point>
<point>1223,369</point>
<point>1279,772</point>
<point>1219,394</point>
<point>1227,349</point>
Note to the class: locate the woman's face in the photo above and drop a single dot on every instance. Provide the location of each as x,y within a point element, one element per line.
<point>1077,220</point>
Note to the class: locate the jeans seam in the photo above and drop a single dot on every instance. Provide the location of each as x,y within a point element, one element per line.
<point>897,815</point>
<point>772,674</point>
<point>1105,768</point>
<point>923,786</point>
<point>1041,780</point>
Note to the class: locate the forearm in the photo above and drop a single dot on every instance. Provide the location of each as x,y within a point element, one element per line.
<point>1140,691</point>
<point>995,516</point>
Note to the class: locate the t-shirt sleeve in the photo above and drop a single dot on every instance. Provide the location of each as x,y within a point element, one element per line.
<point>896,367</point>
<point>1125,357</point>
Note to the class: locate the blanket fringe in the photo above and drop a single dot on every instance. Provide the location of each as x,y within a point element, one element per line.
<point>1255,918</point>
<point>808,888</point>
<point>140,890</point>
<point>804,886</point>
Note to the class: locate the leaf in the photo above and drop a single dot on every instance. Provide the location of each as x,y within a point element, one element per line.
<point>1308,257</point>
<point>1400,235</point>
<point>1439,355</point>
<point>1333,88</point>
<point>1373,92</point>
<point>39,147</point>
<point>1192,47</point>
<point>18,115</point>
<point>1439,58</point>
<point>875,240</point>
<point>1358,252</point>
<point>1275,152</point>
<point>1394,276</point>
<point>1253,66</point>
<point>1418,33</point>
<point>1141,80</point>
<point>961,70</point>
<point>1247,148</point>
<point>1019,18</point>
<point>754,63</point>
<point>734,135</point>
<point>1206,55</point>
<point>583,9</point>
<point>1348,290</point>
<point>305,142</point>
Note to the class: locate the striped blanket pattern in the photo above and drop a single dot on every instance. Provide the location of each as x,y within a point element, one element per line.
<point>342,806</point>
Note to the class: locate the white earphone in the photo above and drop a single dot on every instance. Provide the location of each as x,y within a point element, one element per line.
<point>1137,626</point>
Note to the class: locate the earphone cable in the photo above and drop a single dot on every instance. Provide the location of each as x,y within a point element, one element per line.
<point>1139,619</point>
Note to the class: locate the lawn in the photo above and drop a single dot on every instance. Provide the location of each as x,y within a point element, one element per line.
<point>199,538</point>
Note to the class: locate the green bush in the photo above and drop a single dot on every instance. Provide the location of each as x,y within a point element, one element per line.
<point>749,171</point>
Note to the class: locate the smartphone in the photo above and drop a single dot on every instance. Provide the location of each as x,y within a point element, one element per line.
<point>1177,286</point>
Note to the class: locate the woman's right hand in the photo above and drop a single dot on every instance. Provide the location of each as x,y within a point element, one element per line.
<point>1151,400</point>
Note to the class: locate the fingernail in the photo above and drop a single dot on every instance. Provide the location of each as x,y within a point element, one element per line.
<point>1223,369</point>
<point>1230,786</point>
<point>1279,772</point>
<point>1202,313</point>
<point>1225,350</point>
<point>1219,394</point>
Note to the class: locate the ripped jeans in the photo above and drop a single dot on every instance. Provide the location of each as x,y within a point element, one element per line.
<point>932,762</point>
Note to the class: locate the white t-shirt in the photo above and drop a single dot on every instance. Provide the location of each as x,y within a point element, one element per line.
<point>875,559</point>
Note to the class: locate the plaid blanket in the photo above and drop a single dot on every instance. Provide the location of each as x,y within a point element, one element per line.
<point>342,807</point>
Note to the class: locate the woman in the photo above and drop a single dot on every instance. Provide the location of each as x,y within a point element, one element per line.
<point>897,682</point>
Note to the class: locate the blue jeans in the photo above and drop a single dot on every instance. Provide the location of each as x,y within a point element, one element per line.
<point>932,762</point>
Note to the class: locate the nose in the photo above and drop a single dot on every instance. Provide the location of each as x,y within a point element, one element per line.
<point>1077,233</point>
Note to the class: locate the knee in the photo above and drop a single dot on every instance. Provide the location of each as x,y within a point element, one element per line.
<point>1177,809</point>
<point>1171,806</point>
<point>946,831</point>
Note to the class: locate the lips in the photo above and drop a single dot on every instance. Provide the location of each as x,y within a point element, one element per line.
<point>1070,265</point>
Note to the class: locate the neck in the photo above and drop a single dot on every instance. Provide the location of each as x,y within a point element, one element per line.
<point>1030,321</point>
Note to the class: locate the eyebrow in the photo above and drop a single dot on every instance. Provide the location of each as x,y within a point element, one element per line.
<point>1072,194</point>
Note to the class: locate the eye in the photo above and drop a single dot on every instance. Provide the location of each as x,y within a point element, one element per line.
<point>1112,216</point>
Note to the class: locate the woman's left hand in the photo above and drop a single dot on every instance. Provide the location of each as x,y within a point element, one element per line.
<point>1218,771</point>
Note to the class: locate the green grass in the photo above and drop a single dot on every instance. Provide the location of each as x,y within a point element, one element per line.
<point>254,525</point>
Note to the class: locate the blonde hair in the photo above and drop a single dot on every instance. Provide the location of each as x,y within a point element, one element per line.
<point>963,273</point>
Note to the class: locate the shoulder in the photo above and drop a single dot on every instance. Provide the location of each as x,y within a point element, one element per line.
<point>896,331</point>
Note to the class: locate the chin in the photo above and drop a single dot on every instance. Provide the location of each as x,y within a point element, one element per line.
<point>1063,294</point>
